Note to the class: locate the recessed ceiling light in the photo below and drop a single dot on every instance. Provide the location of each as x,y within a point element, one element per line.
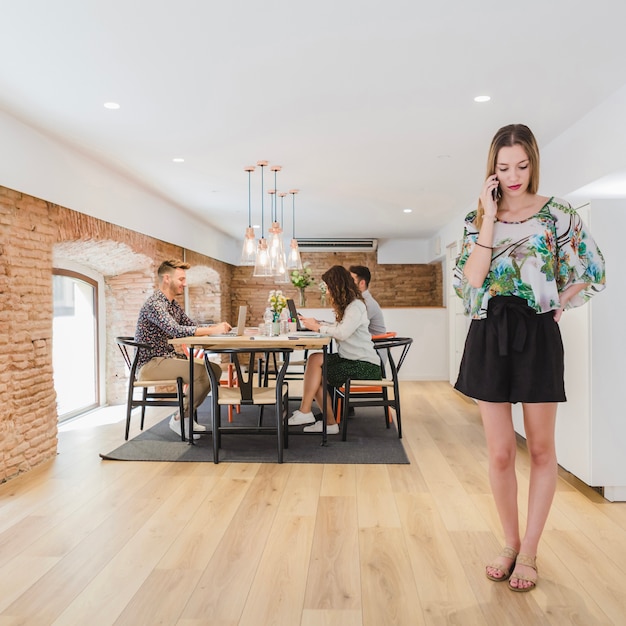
<point>482,98</point>
<point>178,160</point>
<point>407,210</point>
<point>111,105</point>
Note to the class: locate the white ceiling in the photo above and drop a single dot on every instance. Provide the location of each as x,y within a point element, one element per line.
<point>367,105</point>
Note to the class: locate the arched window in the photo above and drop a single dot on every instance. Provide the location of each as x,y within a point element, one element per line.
<point>75,343</point>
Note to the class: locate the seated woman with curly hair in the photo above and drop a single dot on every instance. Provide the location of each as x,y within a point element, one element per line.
<point>355,356</point>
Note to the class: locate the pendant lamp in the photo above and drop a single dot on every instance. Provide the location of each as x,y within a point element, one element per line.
<point>248,253</point>
<point>276,246</point>
<point>281,275</point>
<point>262,267</point>
<point>294,261</point>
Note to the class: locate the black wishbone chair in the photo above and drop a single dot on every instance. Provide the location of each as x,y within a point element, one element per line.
<point>384,393</point>
<point>147,397</point>
<point>263,393</point>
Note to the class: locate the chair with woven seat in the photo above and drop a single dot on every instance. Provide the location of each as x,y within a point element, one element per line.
<point>384,393</point>
<point>370,388</point>
<point>147,397</point>
<point>246,393</point>
<point>229,381</point>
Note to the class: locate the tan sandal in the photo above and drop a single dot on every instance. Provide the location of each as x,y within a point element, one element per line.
<point>528,561</point>
<point>507,553</point>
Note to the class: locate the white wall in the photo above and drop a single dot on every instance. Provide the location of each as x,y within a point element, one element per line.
<point>392,251</point>
<point>608,345</point>
<point>37,165</point>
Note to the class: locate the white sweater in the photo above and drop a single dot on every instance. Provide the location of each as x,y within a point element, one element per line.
<point>352,335</point>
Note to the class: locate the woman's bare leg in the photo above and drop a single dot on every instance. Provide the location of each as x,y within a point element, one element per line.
<point>539,424</point>
<point>314,387</point>
<point>501,447</point>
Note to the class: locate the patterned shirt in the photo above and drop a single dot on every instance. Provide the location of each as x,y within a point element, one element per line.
<point>160,320</point>
<point>535,259</point>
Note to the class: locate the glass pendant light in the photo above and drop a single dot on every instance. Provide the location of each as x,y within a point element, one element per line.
<point>248,253</point>
<point>262,265</point>
<point>281,275</point>
<point>294,261</point>
<point>276,246</point>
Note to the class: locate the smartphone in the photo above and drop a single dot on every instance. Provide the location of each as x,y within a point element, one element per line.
<point>494,193</point>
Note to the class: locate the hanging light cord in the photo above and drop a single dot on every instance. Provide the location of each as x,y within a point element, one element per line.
<point>262,206</point>
<point>249,200</point>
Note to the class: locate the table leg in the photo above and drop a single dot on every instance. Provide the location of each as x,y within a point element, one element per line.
<point>324,400</point>
<point>191,376</point>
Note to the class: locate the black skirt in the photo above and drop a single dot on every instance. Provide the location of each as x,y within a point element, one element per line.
<point>513,355</point>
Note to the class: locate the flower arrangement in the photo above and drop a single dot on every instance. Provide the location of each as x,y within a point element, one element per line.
<point>302,278</point>
<point>277,302</point>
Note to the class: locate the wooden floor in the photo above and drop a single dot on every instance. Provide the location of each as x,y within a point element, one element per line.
<point>85,541</point>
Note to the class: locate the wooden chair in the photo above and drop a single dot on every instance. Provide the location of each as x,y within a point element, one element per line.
<point>229,381</point>
<point>354,389</point>
<point>148,398</point>
<point>248,393</point>
<point>385,393</point>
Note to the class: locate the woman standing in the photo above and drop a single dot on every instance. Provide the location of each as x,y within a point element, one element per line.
<point>525,258</point>
<point>355,356</point>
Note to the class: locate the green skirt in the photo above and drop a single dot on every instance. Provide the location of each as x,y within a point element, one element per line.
<point>339,370</point>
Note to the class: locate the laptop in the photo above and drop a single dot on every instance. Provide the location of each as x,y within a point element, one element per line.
<point>293,314</point>
<point>241,324</point>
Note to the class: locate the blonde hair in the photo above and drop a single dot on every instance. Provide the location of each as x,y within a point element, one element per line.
<point>506,137</point>
<point>168,267</point>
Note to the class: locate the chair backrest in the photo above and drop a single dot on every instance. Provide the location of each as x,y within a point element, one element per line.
<point>125,344</point>
<point>246,370</point>
<point>382,336</point>
<point>393,351</point>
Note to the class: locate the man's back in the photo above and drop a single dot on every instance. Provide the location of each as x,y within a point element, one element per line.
<point>375,314</point>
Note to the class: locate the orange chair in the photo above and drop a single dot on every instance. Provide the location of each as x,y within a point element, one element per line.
<point>354,389</point>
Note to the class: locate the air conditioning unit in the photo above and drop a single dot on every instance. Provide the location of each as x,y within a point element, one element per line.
<point>343,245</point>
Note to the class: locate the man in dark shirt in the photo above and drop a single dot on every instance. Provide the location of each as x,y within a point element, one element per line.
<point>161,318</point>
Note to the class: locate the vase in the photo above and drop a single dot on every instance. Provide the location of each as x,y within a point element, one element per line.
<point>323,299</point>
<point>302,297</point>
<point>275,329</point>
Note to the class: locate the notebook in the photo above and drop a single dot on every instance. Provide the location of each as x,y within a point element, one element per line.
<point>293,314</point>
<point>241,324</point>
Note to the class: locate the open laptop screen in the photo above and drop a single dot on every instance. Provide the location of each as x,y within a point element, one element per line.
<point>293,314</point>
<point>241,324</point>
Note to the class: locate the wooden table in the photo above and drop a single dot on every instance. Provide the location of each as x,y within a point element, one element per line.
<point>257,343</point>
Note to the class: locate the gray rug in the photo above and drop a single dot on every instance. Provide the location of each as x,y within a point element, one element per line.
<point>368,442</point>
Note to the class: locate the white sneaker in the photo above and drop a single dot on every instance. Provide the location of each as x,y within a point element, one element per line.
<point>175,426</point>
<point>331,429</point>
<point>298,418</point>
<point>198,428</point>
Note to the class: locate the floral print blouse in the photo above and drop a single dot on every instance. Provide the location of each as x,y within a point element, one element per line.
<point>160,320</point>
<point>535,259</point>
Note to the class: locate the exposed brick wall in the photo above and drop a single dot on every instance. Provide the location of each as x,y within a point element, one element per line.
<point>27,397</point>
<point>391,285</point>
<point>37,236</point>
